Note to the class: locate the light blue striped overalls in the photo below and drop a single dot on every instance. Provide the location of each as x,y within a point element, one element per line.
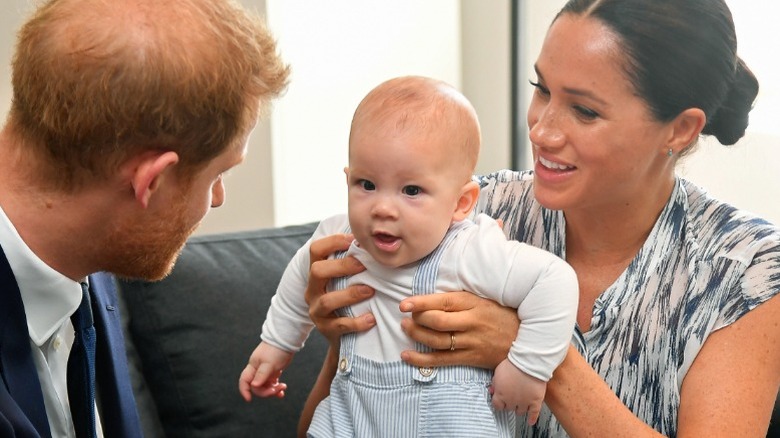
<point>394,399</point>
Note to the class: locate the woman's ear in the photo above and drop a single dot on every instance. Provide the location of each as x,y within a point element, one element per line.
<point>148,171</point>
<point>466,202</point>
<point>686,128</point>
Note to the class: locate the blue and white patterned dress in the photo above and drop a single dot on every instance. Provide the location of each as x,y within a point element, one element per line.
<point>703,266</point>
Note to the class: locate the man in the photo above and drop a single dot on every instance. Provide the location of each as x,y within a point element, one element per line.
<point>125,115</point>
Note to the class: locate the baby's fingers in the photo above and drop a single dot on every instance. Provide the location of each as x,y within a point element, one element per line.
<point>264,371</point>
<point>533,413</point>
<point>270,389</point>
<point>244,380</point>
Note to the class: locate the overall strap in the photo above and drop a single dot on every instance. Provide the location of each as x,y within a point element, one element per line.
<point>424,283</point>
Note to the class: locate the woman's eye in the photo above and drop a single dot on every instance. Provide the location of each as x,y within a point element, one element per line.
<point>412,190</point>
<point>541,89</point>
<point>367,185</point>
<point>586,113</point>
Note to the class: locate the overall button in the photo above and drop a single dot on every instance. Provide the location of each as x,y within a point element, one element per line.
<point>426,371</point>
<point>343,364</point>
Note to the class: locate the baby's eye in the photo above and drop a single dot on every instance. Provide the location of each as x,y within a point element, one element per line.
<point>412,190</point>
<point>367,185</point>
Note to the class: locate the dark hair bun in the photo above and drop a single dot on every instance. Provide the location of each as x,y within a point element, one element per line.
<point>728,123</point>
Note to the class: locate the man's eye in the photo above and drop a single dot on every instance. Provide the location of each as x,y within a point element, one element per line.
<point>412,190</point>
<point>367,185</point>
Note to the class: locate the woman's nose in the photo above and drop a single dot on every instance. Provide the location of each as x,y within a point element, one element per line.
<point>545,128</point>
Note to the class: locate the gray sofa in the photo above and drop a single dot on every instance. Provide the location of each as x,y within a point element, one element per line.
<point>189,337</point>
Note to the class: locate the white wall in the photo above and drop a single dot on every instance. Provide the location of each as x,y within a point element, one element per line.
<point>12,13</point>
<point>340,50</point>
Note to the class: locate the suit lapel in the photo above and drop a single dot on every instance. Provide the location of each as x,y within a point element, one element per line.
<point>119,416</point>
<point>19,376</point>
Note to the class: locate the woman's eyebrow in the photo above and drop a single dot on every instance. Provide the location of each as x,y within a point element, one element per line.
<point>574,91</point>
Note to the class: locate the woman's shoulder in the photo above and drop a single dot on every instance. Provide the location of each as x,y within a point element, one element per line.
<point>506,176</point>
<point>505,187</point>
<point>723,228</point>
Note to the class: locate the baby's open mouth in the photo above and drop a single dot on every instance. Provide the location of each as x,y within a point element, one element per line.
<point>386,242</point>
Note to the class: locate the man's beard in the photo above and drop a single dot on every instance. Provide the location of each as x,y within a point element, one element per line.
<point>148,249</point>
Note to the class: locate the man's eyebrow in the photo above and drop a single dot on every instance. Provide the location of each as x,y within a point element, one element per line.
<point>574,91</point>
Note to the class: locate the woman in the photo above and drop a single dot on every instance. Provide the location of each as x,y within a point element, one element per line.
<point>678,329</point>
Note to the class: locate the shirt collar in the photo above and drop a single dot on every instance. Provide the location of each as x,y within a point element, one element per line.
<point>49,297</point>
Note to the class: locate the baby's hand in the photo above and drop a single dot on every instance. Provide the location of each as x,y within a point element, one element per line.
<point>261,375</point>
<point>514,390</point>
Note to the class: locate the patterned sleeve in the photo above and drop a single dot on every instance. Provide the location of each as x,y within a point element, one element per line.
<point>759,283</point>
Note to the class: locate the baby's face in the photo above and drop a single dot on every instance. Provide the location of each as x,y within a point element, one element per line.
<point>403,191</point>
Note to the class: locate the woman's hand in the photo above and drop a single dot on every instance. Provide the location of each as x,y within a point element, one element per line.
<point>322,308</point>
<point>461,327</point>
<point>322,305</point>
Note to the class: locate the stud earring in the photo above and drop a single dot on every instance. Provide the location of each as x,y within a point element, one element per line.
<point>670,152</point>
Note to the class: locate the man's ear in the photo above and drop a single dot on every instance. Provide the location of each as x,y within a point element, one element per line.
<point>148,171</point>
<point>686,128</point>
<point>466,202</point>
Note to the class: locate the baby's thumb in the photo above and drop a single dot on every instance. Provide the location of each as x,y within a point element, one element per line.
<point>261,375</point>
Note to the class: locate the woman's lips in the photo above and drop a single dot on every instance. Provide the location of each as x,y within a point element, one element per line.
<point>549,171</point>
<point>552,165</point>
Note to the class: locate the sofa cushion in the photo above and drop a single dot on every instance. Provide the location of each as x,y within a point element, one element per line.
<point>194,332</point>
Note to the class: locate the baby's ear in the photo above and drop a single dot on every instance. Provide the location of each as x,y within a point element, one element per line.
<point>466,202</point>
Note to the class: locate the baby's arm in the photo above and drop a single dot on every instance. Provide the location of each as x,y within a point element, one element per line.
<point>514,390</point>
<point>545,291</point>
<point>261,375</point>
<point>547,318</point>
<point>286,325</point>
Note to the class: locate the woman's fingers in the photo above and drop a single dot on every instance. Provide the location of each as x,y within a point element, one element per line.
<point>322,305</point>
<point>322,248</point>
<point>322,311</point>
<point>480,330</point>
<point>446,302</point>
<point>321,270</point>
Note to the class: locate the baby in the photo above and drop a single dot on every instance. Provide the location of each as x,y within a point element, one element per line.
<point>413,147</point>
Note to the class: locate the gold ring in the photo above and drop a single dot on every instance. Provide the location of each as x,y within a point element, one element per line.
<point>452,341</point>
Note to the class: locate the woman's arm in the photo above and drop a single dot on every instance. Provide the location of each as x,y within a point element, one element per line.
<point>322,308</point>
<point>320,390</point>
<point>729,390</point>
<point>732,384</point>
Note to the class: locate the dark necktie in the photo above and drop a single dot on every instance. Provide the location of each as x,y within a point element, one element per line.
<point>81,369</point>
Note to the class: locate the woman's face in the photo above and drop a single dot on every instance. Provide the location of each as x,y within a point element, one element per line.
<point>595,143</point>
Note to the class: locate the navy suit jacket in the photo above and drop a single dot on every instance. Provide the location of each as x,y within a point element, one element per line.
<point>22,412</point>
